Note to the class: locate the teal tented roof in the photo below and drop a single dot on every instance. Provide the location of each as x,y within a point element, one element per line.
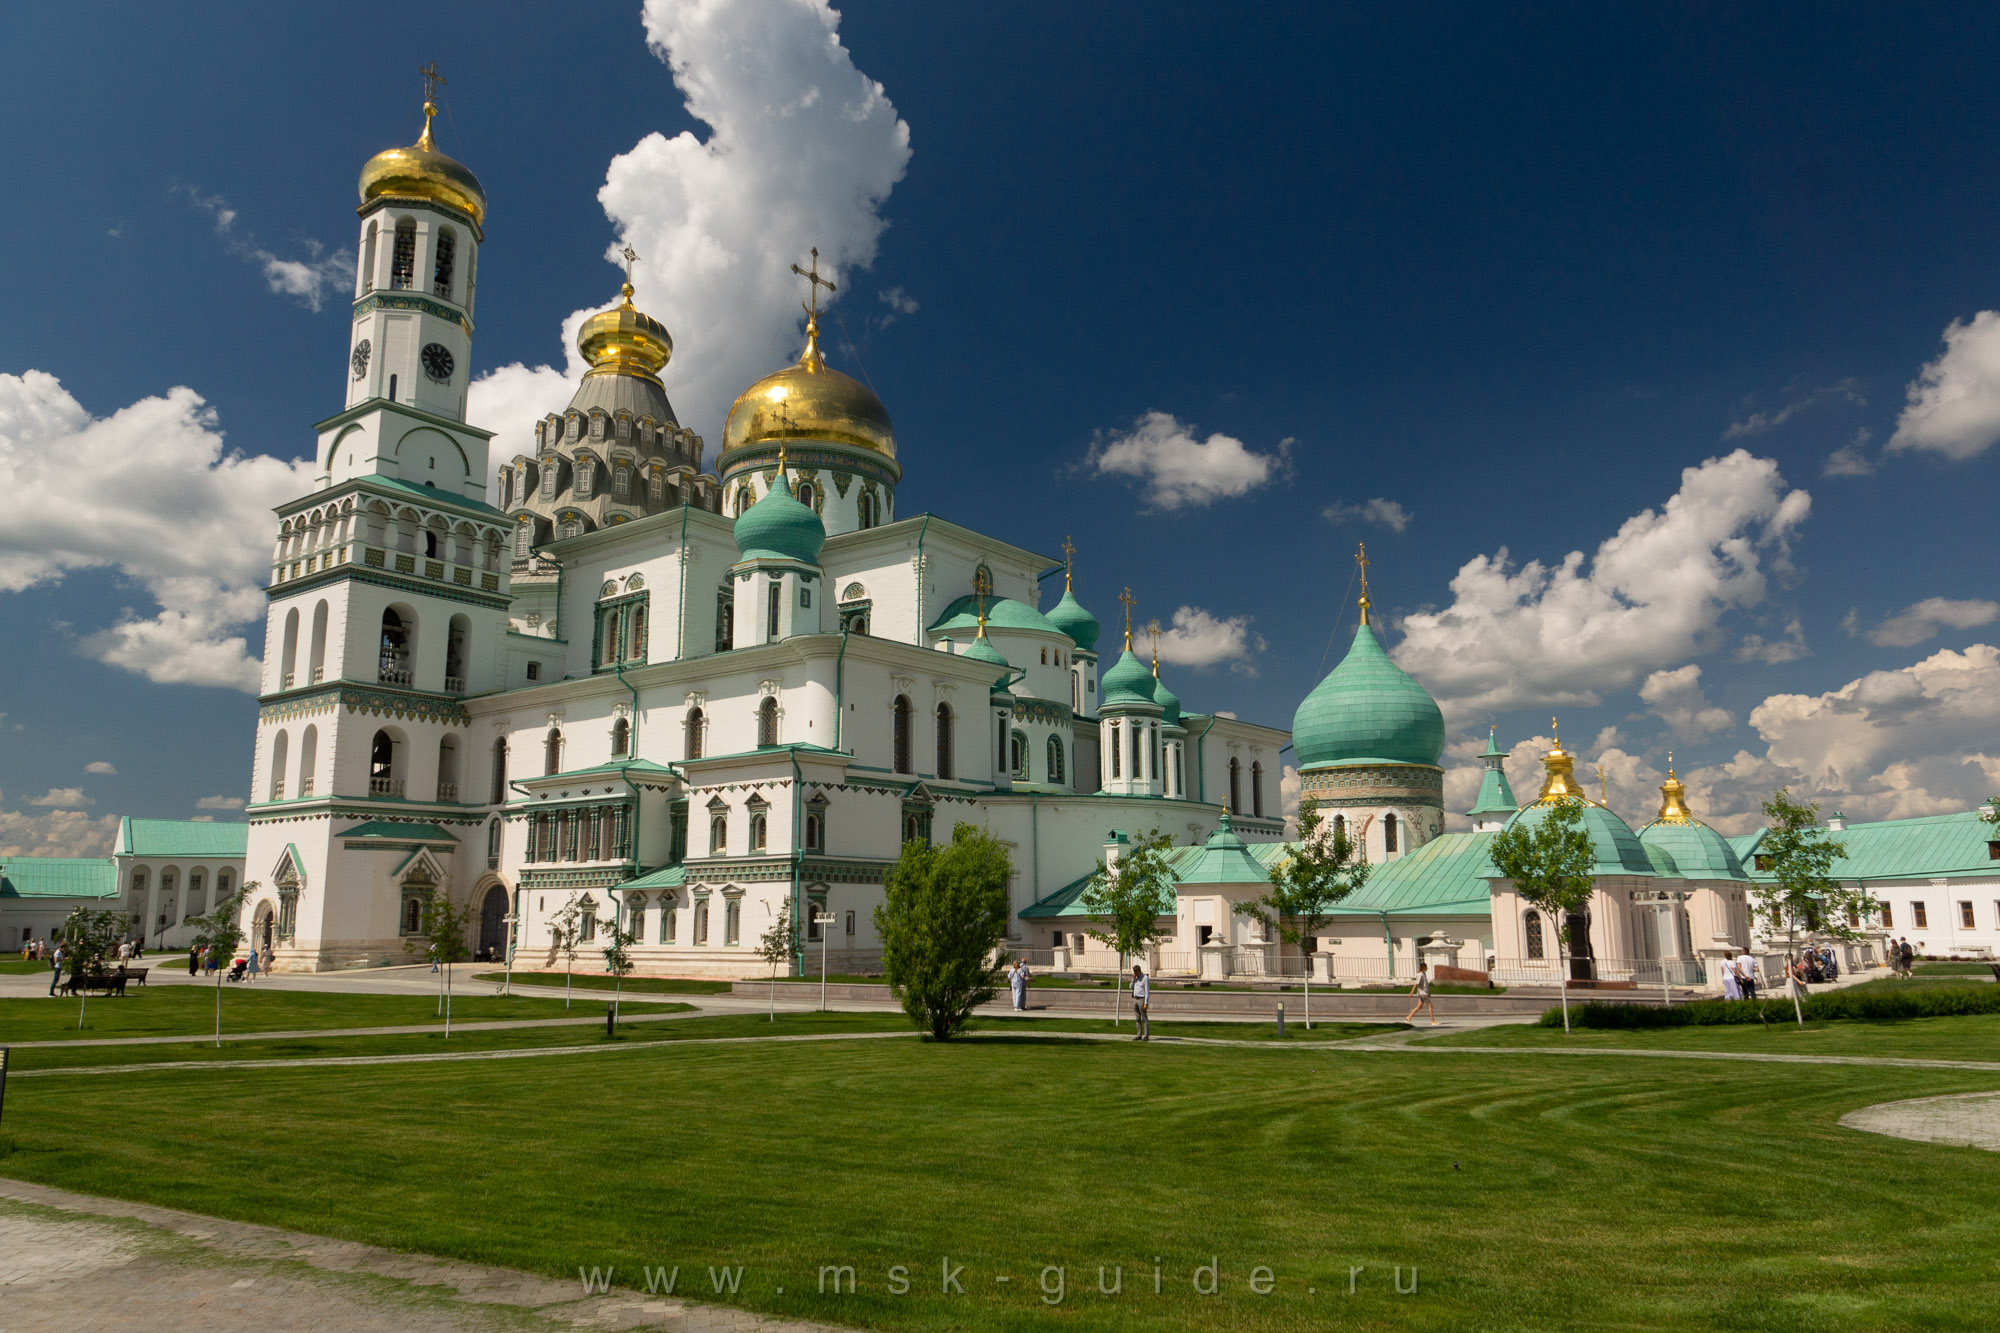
<point>58,877</point>
<point>1224,859</point>
<point>385,830</point>
<point>182,837</point>
<point>1931,845</point>
<point>666,877</point>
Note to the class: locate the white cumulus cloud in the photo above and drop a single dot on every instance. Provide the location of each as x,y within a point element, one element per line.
<point>1385,513</point>
<point>1932,616</point>
<point>1676,698</point>
<point>308,280</point>
<point>57,833</point>
<point>103,766</point>
<point>1177,468</point>
<point>151,492</point>
<point>1198,638</point>
<point>1850,459</point>
<point>1954,403</point>
<point>1656,590</point>
<point>65,797</point>
<point>802,150</point>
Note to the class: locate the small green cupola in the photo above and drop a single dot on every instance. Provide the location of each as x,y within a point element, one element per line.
<point>1128,683</point>
<point>778,527</point>
<point>1496,803</point>
<point>1068,614</point>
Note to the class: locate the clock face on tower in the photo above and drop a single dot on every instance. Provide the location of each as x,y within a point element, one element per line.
<point>437,361</point>
<point>361,358</point>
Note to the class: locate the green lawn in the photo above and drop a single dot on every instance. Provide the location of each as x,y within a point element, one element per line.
<point>633,985</point>
<point>1958,1037</point>
<point>1529,1193</point>
<point>16,966</point>
<point>1954,969</point>
<point>161,1011</point>
<point>1921,982</point>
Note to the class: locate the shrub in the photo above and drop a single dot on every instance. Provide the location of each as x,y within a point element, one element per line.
<point>1833,1006</point>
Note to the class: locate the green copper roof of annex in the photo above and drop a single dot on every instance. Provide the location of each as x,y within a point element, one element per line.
<point>181,837</point>
<point>1128,682</point>
<point>778,527</point>
<point>58,877</point>
<point>1616,848</point>
<point>1001,613</point>
<point>1069,616</point>
<point>1367,710</point>
<point>1929,846</point>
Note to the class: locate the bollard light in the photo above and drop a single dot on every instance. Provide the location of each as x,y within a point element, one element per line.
<point>1281,1020</point>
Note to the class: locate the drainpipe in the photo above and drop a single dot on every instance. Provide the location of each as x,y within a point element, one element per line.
<point>681,630</point>
<point>798,860</point>
<point>1200,768</point>
<point>921,622</point>
<point>1389,942</point>
<point>839,675</point>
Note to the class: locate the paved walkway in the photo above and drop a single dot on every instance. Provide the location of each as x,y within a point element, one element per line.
<point>75,1262</point>
<point>1970,1119</point>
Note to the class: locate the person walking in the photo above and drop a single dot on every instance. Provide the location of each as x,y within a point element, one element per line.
<point>1017,981</point>
<point>253,964</point>
<point>1732,986</point>
<point>1422,990</point>
<point>1906,957</point>
<point>1746,974</point>
<point>1142,1003</point>
<point>194,960</point>
<point>55,968</point>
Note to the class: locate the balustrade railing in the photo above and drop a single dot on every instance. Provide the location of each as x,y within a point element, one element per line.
<point>447,791</point>
<point>385,787</point>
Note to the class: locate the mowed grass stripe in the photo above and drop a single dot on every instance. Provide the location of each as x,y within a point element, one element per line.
<point>1530,1193</point>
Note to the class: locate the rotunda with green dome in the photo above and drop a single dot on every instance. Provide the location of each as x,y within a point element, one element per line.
<point>1693,849</point>
<point>775,582</point>
<point>1369,741</point>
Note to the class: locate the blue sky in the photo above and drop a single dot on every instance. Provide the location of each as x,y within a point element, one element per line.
<point>1218,293</point>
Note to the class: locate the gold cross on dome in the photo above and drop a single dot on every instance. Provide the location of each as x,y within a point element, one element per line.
<point>1153,626</point>
<point>631,258</point>
<point>432,80</point>
<point>1130,601</point>
<point>815,282</point>
<point>1069,562</point>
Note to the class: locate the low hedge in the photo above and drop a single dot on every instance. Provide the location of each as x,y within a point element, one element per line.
<point>1834,1005</point>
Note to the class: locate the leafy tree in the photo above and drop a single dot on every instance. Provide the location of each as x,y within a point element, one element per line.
<point>1321,869</point>
<point>1802,889</point>
<point>443,940</point>
<point>776,947</point>
<point>89,939</point>
<point>618,962</point>
<point>942,919</point>
<point>1550,867</point>
<point>1130,903</point>
<point>566,932</point>
<point>222,931</point>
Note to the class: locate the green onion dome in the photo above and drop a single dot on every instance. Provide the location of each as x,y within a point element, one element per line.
<point>1128,682</point>
<point>1615,848</point>
<point>778,527</point>
<point>1367,710</point>
<point>1169,702</point>
<point>982,650</point>
<point>1069,616</point>
<point>1001,613</point>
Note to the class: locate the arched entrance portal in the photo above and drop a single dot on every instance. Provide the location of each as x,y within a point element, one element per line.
<point>264,930</point>
<point>493,923</point>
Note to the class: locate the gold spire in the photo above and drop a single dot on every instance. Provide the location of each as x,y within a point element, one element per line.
<point>431,81</point>
<point>1361,559</point>
<point>1603,796</point>
<point>1154,626</point>
<point>1130,602</point>
<point>1560,783</point>
<point>812,360</point>
<point>1069,561</point>
<point>981,585</point>
<point>1673,798</point>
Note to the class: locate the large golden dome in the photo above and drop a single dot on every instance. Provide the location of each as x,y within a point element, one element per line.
<point>625,340</point>
<point>809,401</point>
<point>422,172</point>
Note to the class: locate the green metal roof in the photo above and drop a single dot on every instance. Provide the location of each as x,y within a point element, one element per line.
<point>666,877</point>
<point>182,837</point>
<point>617,769</point>
<point>1128,682</point>
<point>1368,710</point>
<point>1617,848</point>
<point>1495,796</point>
<point>1224,859</point>
<point>1931,845</point>
<point>436,496</point>
<point>58,877</point>
<point>1001,613</point>
<point>1694,849</point>
<point>1069,617</point>
<point>1169,702</point>
<point>778,527</point>
<point>386,830</point>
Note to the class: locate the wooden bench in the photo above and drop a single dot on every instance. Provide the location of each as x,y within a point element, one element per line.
<point>108,982</point>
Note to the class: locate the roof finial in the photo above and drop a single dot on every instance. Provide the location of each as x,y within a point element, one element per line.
<point>1556,731</point>
<point>1603,796</point>
<point>1069,561</point>
<point>432,81</point>
<point>1361,559</point>
<point>1670,764</point>
<point>812,360</point>
<point>982,583</point>
<point>1130,601</point>
<point>1154,626</point>
<point>631,258</point>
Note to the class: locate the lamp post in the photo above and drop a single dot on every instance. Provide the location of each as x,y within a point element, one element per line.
<point>507,980</point>
<point>824,921</point>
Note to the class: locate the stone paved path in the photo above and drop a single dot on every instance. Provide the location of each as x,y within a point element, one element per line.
<point>79,1263</point>
<point>1969,1119</point>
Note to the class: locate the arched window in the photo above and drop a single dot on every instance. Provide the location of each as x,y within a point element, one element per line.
<point>1389,832</point>
<point>457,642</point>
<point>865,509</point>
<point>695,722</point>
<point>774,606</point>
<point>944,740</point>
<point>903,716</point>
<point>725,619</point>
<point>523,534</point>
<point>1257,789</point>
<point>1533,930</point>
<point>1017,754</point>
<point>718,834</point>
<point>635,633</point>
<point>492,844</point>
<point>224,882</point>
<point>288,659</point>
<point>316,662</point>
<point>806,493</point>
<point>448,769</point>
<point>1339,827</point>
<point>552,748</point>
<point>368,259</point>
<point>499,793</point>
<point>280,752</point>
<point>621,738</point>
<point>767,724</point>
<point>586,472</point>
<point>1115,733</point>
<point>701,921</point>
<point>621,483</point>
<point>1235,786</point>
<point>197,894</point>
<point>656,491</point>
<point>403,261</point>
<point>744,499</point>
<point>308,759</point>
<point>732,921</point>
<point>1056,765</point>
<point>550,471</point>
<point>813,829</point>
<point>398,648</point>
<point>447,255</point>
<point>910,828</point>
<point>383,776</point>
<point>760,832</point>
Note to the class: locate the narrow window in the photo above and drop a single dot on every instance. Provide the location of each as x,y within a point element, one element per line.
<point>1389,832</point>
<point>1235,786</point>
<point>865,510</point>
<point>732,921</point>
<point>552,747</point>
<point>718,834</point>
<point>1339,827</point>
<point>1965,915</point>
<point>903,712</point>
<point>1117,751</point>
<point>1534,935</point>
<point>944,739</point>
<point>447,251</point>
<point>1257,793</point>
<point>1055,759</point>
<point>806,494</point>
<point>368,259</point>
<point>635,647</point>
<point>775,599</point>
<point>767,724</point>
<point>1920,917</point>
<point>621,738</point>
<point>656,488</point>
<point>403,262</point>
<point>692,750</point>
<point>621,483</point>
<point>760,831</point>
<point>725,620</point>
<point>812,833</point>
<point>522,534</point>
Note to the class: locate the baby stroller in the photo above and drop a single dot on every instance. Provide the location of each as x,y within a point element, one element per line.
<point>236,967</point>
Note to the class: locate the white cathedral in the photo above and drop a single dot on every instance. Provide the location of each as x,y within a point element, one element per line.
<point>687,700</point>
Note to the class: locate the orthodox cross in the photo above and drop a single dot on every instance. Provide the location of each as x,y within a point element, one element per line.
<point>1130,601</point>
<point>1556,732</point>
<point>815,282</point>
<point>1154,626</point>
<point>1603,797</point>
<point>1670,765</point>
<point>982,584</point>
<point>432,80</point>
<point>631,258</point>
<point>1361,560</point>
<point>1069,562</point>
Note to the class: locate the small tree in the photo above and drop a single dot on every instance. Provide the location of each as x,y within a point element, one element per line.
<point>221,931</point>
<point>943,914</point>
<point>88,939</point>
<point>566,932</point>
<point>1130,903</point>
<point>442,939</point>
<point>618,962</point>
<point>1550,867</point>
<point>1802,887</point>
<point>1320,870</point>
<point>776,947</point>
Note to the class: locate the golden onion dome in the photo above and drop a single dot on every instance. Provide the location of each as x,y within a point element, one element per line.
<point>809,401</point>
<point>625,340</point>
<point>422,172</point>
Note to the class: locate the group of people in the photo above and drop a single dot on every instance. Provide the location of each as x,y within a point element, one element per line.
<point>205,960</point>
<point>1902,958</point>
<point>1739,977</point>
